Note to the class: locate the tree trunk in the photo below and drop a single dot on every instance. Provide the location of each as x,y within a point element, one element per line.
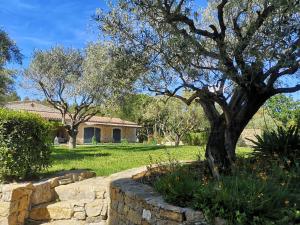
<point>72,142</point>
<point>220,148</point>
<point>224,134</point>
<point>177,140</point>
<point>73,136</point>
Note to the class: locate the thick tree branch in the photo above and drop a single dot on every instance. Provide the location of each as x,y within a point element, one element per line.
<point>286,90</point>
<point>221,18</point>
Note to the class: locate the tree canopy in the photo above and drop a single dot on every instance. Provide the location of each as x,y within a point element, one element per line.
<point>9,52</point>
<point>76,83</point>
<point>232,53</point>
<point>284,109</point>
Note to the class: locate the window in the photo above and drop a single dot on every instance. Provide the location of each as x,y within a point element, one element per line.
<point>90,132</point>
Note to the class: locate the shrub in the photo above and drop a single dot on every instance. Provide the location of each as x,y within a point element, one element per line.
<point>124,141</point>
<point>245,200</point>
<point>254,194</point>
<point>25,144</point>
<point>282,144</point>
<point>152,140</point>
<point>177,187</point>
<point>94,140</point>
<point>196,139</point>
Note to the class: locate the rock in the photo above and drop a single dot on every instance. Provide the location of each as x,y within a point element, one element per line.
<point>65,222</point>
<point>54,182</point>
<point>78,209</point>
<point>4,209</point>
<point>55,211</point>
<point>146,214</point>
<point>10,220</point>
<point>193,216</point>
<point>22,216</point>
<point>75,191</point>
<point>171,215</point>
<point>79,215</point>
<point>15,191</point>
<point>100,223</point>
<point>24,203</point>
<point>219,221</point>
<point>42,193</point>
<point>94,208</point>
<point>64,181</point>
<point>92,220</point>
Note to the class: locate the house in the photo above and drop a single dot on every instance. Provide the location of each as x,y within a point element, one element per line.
<point>104,129</point>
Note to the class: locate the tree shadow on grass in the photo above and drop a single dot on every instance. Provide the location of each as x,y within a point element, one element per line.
<point>117,147</point>
<point>77,155</point>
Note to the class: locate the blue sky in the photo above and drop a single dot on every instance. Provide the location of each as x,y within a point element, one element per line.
<point>40,24</point>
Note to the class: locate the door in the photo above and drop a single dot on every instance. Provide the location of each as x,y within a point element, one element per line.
<point>116,135</point>
<point>88,134</point>
<point>98,135</point>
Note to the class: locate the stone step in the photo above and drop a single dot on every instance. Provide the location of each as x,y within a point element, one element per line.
<point>91,210</point>
<point>88,189</point>
<point>52,211</point>
<point>64,222</point>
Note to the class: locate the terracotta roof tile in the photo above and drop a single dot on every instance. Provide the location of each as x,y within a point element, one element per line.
<point>50,113</point>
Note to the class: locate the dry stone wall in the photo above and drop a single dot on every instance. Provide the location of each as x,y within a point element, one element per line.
<point>133,203</point>
<point>14,203</point>
<point>114,200</point>
<point>40,201</point>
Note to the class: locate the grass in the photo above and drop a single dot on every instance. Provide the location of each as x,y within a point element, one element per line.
<point>106,159</point>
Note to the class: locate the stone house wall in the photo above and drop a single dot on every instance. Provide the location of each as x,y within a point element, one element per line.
<point>128,133</point>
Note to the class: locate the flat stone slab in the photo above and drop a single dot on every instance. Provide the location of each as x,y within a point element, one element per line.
<point>66,222</point>
<point>53,210</point>
<point>88,189</point>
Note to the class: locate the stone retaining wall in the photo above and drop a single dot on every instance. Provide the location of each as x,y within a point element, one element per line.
<point>14,203</point>
<point>18,199</point>
<point>133,203</point>
<point>114,200</point>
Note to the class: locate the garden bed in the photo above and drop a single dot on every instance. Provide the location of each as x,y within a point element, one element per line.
<point>257,192</point>
<point>134,203</point>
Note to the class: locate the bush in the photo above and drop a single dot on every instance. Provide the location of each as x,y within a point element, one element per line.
<point>246,200</point>
<point>178,187</point>
<point>25,145</point>
<point>255,194</point>
<point>196,139</point>
<point>124,141</point>
<point>281,144</point>
<point>94,140</point>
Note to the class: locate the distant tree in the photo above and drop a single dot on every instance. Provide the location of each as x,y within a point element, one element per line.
<point>13,96</point>
<point>133,107</point>
<point>9,52</point>
<point>234,54</point>
<point>75,83</point>
<point>174,119</point>
<point>284,109</point>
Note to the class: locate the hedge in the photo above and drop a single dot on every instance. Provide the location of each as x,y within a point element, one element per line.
<point>25,145</point>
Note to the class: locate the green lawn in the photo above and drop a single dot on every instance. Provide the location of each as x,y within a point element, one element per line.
<point>106,159</point>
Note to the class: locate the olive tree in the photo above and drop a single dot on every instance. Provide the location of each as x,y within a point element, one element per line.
<point>76,83</point>
<point>9,52</point>
<point>232,55</point>
<point>174,119</point>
